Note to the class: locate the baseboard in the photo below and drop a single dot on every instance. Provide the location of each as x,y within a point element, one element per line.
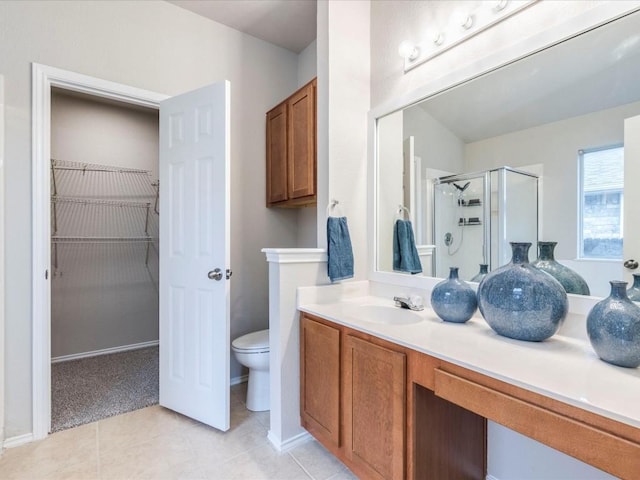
<point>18,440</point>
<point>105,351</point>
<point>240,379</point>
<point>289,443</point>
<point>491,477</point>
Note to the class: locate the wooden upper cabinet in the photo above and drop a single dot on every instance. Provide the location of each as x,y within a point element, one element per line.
<point>277,154</point>
<point>291,150</point>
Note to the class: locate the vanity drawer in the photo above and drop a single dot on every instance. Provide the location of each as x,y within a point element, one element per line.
<point>593,445</point>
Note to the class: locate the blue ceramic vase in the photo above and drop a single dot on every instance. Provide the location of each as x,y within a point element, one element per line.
<point>613,325</point>
<point>519,301</point>
<point>634,292</point>
<point>484,270</point>
<point>453,300</point>
<point>569,279</point>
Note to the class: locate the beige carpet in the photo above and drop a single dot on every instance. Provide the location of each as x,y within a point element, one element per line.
<point>90,389</point>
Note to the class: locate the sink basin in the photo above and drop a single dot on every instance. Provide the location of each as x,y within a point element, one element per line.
<point>384,314</point>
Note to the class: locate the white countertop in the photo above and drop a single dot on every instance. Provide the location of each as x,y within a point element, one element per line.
<point>564,367</point>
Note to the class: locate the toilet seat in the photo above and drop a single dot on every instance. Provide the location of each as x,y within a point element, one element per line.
<point>254,342</point>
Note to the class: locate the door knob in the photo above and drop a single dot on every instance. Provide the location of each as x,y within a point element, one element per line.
<point>215,274</point>
<point>631,264</point>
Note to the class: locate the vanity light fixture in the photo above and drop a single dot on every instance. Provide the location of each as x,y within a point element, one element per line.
<point>458,29</point>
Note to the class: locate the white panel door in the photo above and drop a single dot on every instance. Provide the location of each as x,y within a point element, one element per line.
<point>631,210</point>
<point>194,242</point>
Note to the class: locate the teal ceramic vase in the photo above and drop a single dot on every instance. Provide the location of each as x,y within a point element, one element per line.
<point>569,279</point>
<point>634,292</point>
<point>519,301</point>
<point>613,325</point>
<point>484,270</point>
<point>453,300</point>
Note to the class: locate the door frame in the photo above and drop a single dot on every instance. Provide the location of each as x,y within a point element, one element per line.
<point>2,246</point>
<point>43,79</point>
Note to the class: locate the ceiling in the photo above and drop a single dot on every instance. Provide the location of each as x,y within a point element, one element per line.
<point>289,24</point>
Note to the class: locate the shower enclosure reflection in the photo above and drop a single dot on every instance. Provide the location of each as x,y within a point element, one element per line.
<point>475,216</point>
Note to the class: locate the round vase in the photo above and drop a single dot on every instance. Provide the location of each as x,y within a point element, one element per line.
<point>634,292</point>
<point>519,301</point>
<point>484,270</point>
<point>613,325</point>
<point>453,300</point>
<point>569,279</point>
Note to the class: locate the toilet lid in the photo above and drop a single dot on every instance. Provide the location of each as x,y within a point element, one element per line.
<point>252,341</point>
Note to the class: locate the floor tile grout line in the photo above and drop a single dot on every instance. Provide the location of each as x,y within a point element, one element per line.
<point>301,466</point>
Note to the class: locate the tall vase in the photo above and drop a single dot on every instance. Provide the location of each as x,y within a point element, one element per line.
<point>484,270</point>
<point>453,300</point>
<point>519,301</point>
<point>570,280</point>
<point>613,325</point>
<point>634,292</point>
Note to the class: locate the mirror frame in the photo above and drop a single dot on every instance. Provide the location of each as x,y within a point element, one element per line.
<point>591,20</point>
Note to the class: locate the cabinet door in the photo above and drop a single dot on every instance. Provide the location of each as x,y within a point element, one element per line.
<point>320,381</point>
<point>374,408</point>
<point>277,154</point>
<point>302,142</point>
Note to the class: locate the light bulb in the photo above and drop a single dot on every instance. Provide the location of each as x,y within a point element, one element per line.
<point>408,50</point>
<point>466,22</point>
<point>500,5</point>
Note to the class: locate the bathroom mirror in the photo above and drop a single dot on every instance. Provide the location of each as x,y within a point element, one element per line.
<point>539,116</point>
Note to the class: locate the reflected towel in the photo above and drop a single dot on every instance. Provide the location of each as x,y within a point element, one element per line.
<point>405,254</point>
<point>340,261</point>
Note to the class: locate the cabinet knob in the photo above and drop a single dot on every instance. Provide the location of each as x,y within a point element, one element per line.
<point>631,264</point>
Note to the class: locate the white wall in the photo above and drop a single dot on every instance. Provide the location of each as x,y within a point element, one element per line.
<point>159,47</point>
<point>343,48</point>
<point>307,217</point>
<point>104,133</point>
<point>438,146</point>
<point>393,22</point>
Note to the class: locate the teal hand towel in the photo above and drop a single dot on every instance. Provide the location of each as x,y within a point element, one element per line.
<point>339,252</point>
<point>405,253</point>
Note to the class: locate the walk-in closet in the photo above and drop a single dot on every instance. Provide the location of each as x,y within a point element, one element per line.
<point>104,258</point>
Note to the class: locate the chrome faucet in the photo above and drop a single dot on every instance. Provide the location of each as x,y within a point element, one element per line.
<point>413,302</point>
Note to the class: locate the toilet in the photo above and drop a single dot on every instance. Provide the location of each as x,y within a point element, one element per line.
<point>252,351</point>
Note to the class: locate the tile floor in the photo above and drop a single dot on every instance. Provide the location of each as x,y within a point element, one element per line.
<point>157,444</point>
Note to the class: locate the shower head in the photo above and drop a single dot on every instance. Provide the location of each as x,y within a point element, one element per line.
<point>463,188</point>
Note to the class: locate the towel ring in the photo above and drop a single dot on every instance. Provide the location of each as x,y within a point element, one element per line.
<point>403,213</point>
<point>334,209</point>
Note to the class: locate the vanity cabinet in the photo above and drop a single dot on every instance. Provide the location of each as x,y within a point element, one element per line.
<point>291,150</point>
<point>371,403</point>
<point>320,380</point>
<point>374,408</point>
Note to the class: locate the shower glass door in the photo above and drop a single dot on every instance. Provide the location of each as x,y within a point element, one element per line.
<point>460,224</point>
